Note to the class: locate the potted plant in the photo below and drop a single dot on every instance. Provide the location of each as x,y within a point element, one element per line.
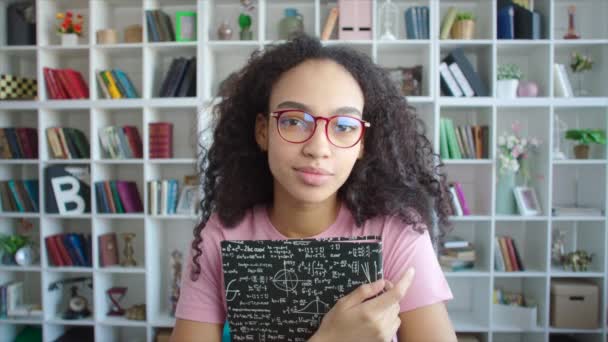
<point>584,137</point>
<point>70,27</point>
<point>508,80</point>
<point>10,244</point>
<point>464,26</point>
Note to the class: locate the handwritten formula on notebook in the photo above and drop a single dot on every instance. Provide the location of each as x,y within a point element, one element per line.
<point>279,290</point>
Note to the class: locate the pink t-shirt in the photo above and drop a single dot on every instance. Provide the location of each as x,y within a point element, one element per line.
<point>204,300</point>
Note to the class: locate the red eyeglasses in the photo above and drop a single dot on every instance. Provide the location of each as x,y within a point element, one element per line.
<point>296,126</point>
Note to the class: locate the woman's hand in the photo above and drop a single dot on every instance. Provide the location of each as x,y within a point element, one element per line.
<point>355,319</point>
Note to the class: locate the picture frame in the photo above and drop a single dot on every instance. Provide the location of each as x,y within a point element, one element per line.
<point>185,26</point>
<point>188,200</point>
<point>527,201</point>
<point>407,79</point>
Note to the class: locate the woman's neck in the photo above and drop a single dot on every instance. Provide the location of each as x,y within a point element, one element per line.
<point>301,220</point>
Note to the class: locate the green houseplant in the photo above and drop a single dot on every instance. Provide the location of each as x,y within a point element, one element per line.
<point>584,137</point>
<point>508,76</point>
<point>464,26</point>
<point>10,244</point>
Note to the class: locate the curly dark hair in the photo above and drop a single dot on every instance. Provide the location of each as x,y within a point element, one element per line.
<point>398,171</point>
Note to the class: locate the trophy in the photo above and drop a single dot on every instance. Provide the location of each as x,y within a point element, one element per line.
<point>115,295</point>
<point>128,251</point>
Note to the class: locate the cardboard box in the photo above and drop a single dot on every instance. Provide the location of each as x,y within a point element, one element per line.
<point>574,304</point>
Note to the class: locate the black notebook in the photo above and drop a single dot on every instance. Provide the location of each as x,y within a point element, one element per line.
<point>279,290</point>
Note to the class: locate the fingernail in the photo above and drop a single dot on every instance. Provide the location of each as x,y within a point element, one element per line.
<point>410,272</point>
<point>379,284</point>
<point>389,285</point>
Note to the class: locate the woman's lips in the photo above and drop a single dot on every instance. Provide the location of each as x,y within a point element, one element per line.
<point>313,176</point>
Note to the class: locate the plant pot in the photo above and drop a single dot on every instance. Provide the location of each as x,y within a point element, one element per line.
<point>507,89</point>
<point>69,39</point>
<point>581,151</point>
<point>463,29</point>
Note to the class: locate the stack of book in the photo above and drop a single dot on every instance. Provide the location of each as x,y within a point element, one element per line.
<point>163,196</point>
<point>18,143</point>
<point>506,255</point>
<point>67,143</point>
<point>576,211</point>
<point>69,249</point>
<point>464,141</point>
<point>417,22</point>
<point>161,140</point>
<point>160,27</point>
<point>517,22</point>
<point>460,207</point>
<point>180,79</point>
<point>456,255</point>
<point>65,84</point>
<point>459,78</point>
<point>120,142</point>
<point>19,195</point>
<point>12,303</point>
<point>117,197</point>
<point>115,84</point>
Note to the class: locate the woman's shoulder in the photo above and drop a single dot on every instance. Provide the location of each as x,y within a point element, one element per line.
<point>217,229</point>
<point>393,226</point>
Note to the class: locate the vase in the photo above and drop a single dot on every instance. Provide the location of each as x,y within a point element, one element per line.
<point>506,89</point>
<point>579,81</point>
<point>505,200</point>
<point>69,39</point>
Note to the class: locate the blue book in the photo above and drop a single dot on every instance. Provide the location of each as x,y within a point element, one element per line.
<point>65,238</point>
<point>20,205</point>
<point>31,187</point>
<point>127,84</point>
<point>425,22</point>
<point>410,23</point>
<point>13,142</point>
<point>505,28</point>
<point>152,31</point>
<point>78,246</point>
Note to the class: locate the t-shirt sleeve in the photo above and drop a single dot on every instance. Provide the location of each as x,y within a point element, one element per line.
<point>201,300</point>
<point>407,248</point>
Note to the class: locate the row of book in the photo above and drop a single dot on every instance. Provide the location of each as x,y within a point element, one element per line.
<point>460,206</point>
<point>458,77</point>
<point>19,195</point>
<point>517,22</point>
<point>12,303</point>
<point>161,139</point>
<point>163,196</point>
<point>67,143</point>
<point>180,79</point>
<point>117,197</point>
<point>506,255</point>
<point>65,84</point>
<point>576,211</point>
<point>69,249</point>
<point>120,142</point>
<point>18,143</point>
<point>115,84</point>
<point>457,254</point>
<point>417,22</point>
<point>160,27</point>
<point>464,141</point>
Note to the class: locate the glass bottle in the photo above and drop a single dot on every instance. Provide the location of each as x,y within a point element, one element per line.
<point>291,24</point>
<point>388,19</point>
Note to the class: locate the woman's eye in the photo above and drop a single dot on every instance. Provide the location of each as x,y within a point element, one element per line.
<point>292,122</point>
<point>345,128</point>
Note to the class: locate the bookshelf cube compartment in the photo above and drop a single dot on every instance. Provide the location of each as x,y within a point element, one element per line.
<point>579,337</point>
<point>518,337</point>
<point>49,24</point>
<point>68,58</point>
<point>171,8</point>
<point>120,227</point>
<point>469,308</point>
<point>587,19</point>
<point>11,330</point>
<point>185,134</point>
<point>126,59</point>
<point>17,174</point>
<point>475,180</point>
<point>400,32</point>
<point>218,11</point>
<point>533,291</point>
<point>108,333</point>
<point>464,119</point>
<point>602,315</point>
<point>532,60</point>
<point>482,11</point>
<point>577,186</point>
<point>275,12</point>
<point>579,118</point>
<point>20,63</point>
<point>135,294</point>
<point>480,236</point>
<point>529,240</point>
<point>28,227</point>
<point>118,172</point>
<point>57,289</point>
<point>587,236</point>
<point>116,15</point>
<point>54,226</point>
<point>160,62</point>
<point>591,82</point>
<point>480,57</point>
<point>224,60</point>
<point>63,118</point>
<point>160,172</point>
<point>115,117</point>
<point>29,296</point>
<point>407,55</point>
<point>166,236</point>
<point>16,119</point>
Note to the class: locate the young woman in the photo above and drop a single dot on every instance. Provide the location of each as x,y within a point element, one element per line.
<point>316,142</point>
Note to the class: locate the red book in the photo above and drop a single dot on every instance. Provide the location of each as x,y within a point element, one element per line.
<point>134,141</point>
<point>78,83</point>
<point>63,252</point>
<point>72,83</point>
<point>129,196</point>
<point>161,140</point>
<point>67,83</point>
<point>56,92</point>
<point>511,250</point>
<point>53,252</point>
<point>32,133</point>
<point>108,249</point>
<point>49,84</point>
<point>24,141</point>
<point>62,83</point>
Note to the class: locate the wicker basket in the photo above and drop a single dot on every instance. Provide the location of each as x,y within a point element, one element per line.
<point>463,29</point>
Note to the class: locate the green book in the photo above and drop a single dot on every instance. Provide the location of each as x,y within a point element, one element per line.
<point>447,23</point>
<point>443,142</point>
<point>117,202</point>
<point>452,142</point>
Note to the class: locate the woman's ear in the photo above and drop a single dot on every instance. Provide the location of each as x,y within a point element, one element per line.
<point>361,150</point>
<point>261,132</point>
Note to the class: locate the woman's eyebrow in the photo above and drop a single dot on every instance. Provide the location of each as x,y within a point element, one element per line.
<point>340,110</point>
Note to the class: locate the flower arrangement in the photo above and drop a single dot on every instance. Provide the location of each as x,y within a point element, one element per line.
<point>514,150</point>
<point>70,23</point>
<point>580,63</point>
<point>509,72</point>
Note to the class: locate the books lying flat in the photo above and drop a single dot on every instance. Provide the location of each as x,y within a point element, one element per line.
<point>279,290</point>
<point>576,211</point>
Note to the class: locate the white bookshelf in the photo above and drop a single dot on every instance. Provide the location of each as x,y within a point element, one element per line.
<point>146,64</point>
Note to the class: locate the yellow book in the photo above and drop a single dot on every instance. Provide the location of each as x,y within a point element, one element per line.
<point>112,88</point>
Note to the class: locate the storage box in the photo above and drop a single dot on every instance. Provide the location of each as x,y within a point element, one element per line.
<point>574,304</point>
<point>512,316</point>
